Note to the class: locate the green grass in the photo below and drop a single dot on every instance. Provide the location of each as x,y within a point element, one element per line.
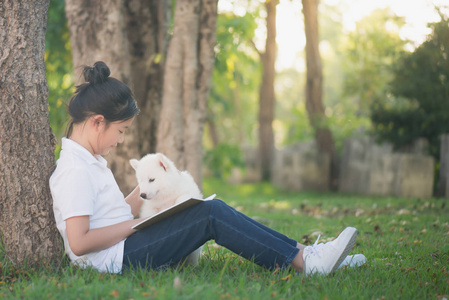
<point>406,242</point>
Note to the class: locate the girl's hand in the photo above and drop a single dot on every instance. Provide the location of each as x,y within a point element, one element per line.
<point>134,201</point>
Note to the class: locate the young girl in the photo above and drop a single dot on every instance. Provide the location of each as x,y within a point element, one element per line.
<point>95,219</point>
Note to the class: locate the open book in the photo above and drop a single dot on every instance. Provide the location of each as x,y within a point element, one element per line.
<point>170,211</point>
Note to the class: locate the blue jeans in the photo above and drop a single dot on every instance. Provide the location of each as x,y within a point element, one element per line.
<point>172,239</point>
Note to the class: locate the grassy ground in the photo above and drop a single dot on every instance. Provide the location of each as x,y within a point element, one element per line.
<point>406,242</point>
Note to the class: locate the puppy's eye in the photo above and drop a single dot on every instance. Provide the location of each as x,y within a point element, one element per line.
<point>151,179</point>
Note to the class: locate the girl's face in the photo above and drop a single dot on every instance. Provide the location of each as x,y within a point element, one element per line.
<point>110,136</point>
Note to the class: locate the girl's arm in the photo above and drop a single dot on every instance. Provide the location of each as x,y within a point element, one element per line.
<point>83,240</point>
<point>134,201</point>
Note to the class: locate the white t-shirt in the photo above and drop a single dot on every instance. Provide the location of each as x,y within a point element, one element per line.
<point>81,185</point>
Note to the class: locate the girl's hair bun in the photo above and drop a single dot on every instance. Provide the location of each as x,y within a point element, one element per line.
<point>101,95</point>
<point>96,74</point>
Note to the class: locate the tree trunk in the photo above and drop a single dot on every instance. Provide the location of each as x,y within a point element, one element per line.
<point>130,36</point>
<point>266,94</point>
<point>27,143</point>
<point>188,72</point>
<point>97,32</point>
<point>314,87</point>
<point>147,24</point>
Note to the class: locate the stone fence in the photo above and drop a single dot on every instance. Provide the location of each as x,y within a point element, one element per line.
<point>301,167</point>
<point>370,169</point>
<point>365,168</point>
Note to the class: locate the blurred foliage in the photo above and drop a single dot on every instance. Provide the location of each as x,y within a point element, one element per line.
<point>357,68</point>
<point>292,122</point>
<point>233,101</point>
<point>343,116</point>
<point>59,68</point>
<point>235,80</point>
<point>419,102</point>
<point>223,158</point>
<point>370,51</point>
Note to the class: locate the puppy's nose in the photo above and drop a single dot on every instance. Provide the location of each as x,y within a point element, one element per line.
<point>143,195</point>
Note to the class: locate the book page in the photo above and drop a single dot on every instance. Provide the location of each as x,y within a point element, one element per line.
<point>170,211</point>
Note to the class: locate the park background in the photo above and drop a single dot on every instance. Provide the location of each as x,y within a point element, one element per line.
<point>369,80</point>
<point>384,83</point>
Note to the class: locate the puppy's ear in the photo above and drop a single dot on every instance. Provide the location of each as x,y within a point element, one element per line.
<point>134,163</point>
<point>162,161</point>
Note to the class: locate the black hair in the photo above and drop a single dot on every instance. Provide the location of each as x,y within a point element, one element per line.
<point>101,95</point>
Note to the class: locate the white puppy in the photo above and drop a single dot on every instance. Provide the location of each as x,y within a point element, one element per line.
<point>162,185</point>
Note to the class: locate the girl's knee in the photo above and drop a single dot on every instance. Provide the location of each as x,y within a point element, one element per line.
<point>214,204</point>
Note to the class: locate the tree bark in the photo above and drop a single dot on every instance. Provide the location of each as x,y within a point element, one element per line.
<point>188,72</point>
<point>27,143</point>
<point>130,36</point>
<point>97,32</point>
<point>147,25</point>
<point>314,88</point>
<point>266,94</point>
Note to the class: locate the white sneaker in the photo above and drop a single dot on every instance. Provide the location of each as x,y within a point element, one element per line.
<point>326,258</point>
<point>353,261</point>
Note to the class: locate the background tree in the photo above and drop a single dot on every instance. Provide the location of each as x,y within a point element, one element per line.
<point>266,93</point>
<point>314,88</point>
<point>130,36</point>
<point>188,72</point>
<point>27,224</point>
<point>418,106</point>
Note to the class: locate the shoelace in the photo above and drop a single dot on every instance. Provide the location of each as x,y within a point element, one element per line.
<point>314,248</point>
